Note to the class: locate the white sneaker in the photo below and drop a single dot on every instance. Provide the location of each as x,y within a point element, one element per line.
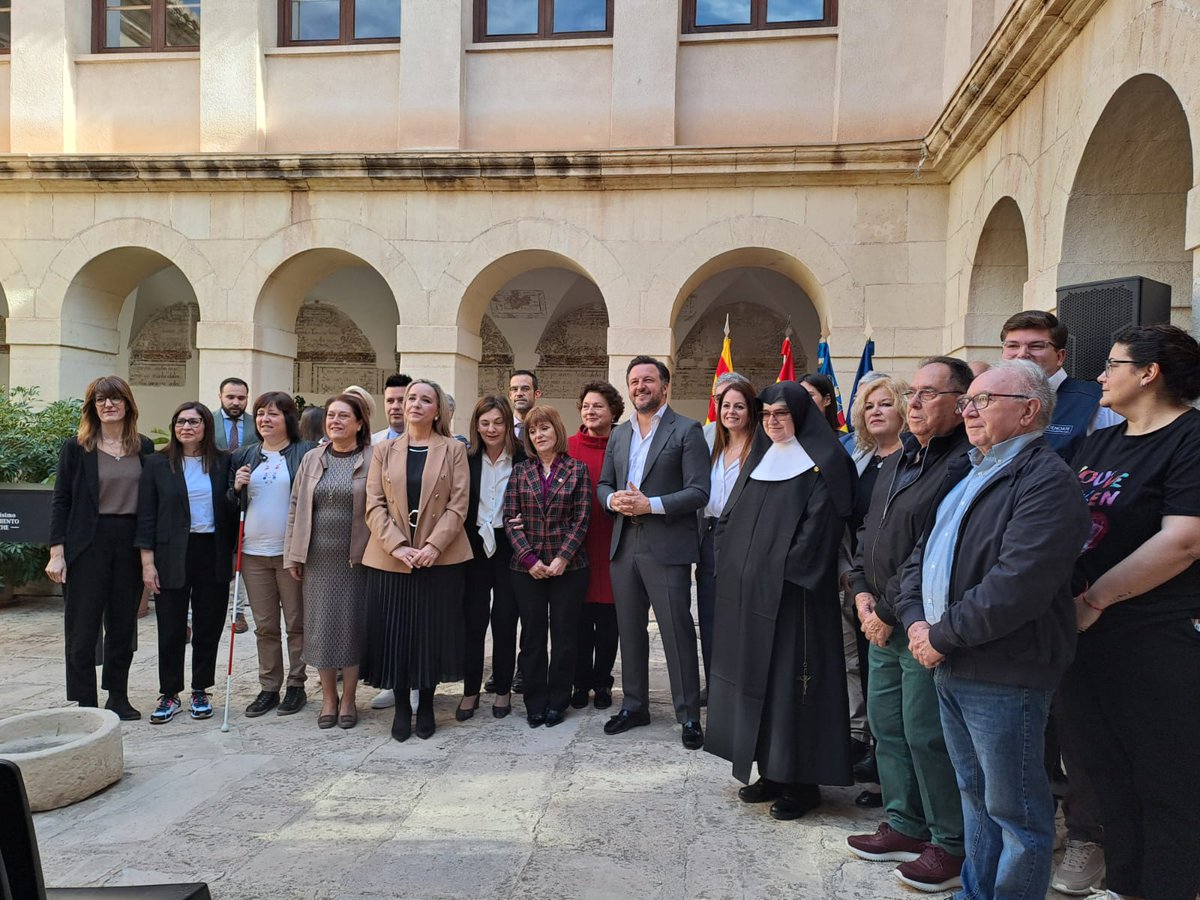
<point>1082,867</point>
<point>383,700</point>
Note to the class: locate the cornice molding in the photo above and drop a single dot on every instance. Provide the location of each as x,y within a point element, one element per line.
<point>1032,35</point>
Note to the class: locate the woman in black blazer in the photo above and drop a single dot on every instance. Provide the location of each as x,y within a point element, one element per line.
<point>92,524</point>
<point>489,593</point>
<point>186,531</point>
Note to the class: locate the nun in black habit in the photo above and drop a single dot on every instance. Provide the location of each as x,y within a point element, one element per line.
<point>777,690</point>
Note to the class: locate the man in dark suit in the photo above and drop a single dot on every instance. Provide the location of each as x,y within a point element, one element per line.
<point>655,477</point>
<point>230,432</point>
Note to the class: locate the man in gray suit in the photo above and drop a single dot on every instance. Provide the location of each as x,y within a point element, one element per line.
<point>655,477</point>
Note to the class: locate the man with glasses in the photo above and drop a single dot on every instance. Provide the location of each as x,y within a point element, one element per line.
<point>986,603</point>
<point>924,827</point>
<point>1039,337</point>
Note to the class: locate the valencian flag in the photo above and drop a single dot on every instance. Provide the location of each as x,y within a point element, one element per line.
<point>865,365</point>
<point>787,371</point>
<point>724,364</point>
<point>824,367</point>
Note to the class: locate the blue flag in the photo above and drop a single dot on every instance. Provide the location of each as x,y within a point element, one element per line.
<point>865,365</point>
<point>825,367</point>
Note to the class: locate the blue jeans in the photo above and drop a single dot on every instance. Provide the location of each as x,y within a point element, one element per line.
<point>995,734</point>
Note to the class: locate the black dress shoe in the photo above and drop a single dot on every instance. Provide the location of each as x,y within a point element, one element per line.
<point>869,800</point>
<point>760,792</point>
<point>425,724</point>
<point>579,699</point>
<point>693,735</point>
<point>624,720</point>
<point>119,704</point>
<point>518,685</point>
<point>795,802</point>
<point>489,686</point>
<point>554,717</point>
<point>865,770</point>
<point>293,701</point>
<point>535,719</point>
<point>466,712</point>
<point>501,711</point>
<point>262,704</point>
<point>603,698</point>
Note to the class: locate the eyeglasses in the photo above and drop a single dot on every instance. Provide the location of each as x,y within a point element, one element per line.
<point>983,400</point>
<point>1110,362</point>
<point>115,401</point>
<point>1031,346</point>
<point>776,415</point>
<point>926,395</point>
<point>188,423</point>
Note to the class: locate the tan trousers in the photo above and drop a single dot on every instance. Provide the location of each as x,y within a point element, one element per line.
<point>271,589</point>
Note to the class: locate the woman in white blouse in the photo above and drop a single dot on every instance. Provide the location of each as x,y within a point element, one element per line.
<point>737,420</point>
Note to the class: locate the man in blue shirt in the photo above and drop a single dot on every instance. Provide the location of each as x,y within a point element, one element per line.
<point>986,599</point>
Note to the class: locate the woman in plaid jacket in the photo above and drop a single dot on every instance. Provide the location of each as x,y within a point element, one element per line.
<point>550,495</point>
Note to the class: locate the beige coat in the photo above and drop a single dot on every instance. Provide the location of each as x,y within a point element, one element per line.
<point>443,503</point>
<point>299,527</point>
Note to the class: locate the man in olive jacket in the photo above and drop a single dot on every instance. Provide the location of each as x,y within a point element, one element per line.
<point>986,599</point>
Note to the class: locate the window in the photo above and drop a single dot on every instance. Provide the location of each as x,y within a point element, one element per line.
<point>700,16</point>
<point>5,26</point>
<point>519,20</point>
<point>146,25</point>
<point>313,22</point>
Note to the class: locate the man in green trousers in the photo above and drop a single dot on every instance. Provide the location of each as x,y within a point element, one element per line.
<point>924,827</point>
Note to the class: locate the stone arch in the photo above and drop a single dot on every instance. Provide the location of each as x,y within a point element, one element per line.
<point>999,270</point>
<point>1126,211</point>
<point>332,351</point>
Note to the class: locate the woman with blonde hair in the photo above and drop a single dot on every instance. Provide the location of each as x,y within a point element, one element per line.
<point>416,506</point>
<point>93,523</point>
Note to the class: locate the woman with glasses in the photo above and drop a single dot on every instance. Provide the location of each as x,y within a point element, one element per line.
<point>323,549</point>
<point>261,475</point>
<point>1132,694</point>
<point>93,522</point>
<point>187,529</point>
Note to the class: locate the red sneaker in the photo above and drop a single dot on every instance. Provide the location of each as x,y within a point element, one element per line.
<point>933,871</point>
<point>884,845</point>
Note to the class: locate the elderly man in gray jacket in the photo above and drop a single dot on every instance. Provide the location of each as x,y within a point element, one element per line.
<point>986,599</point>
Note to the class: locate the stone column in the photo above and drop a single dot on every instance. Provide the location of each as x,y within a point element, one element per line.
<point>59,356</point>
<point>263,356</point>
<point>447,354</point>
<point>626,343</point>
<point>1192,243</point>
<point>48,36</point>
<point>432,73</point>
<point>233,113</point>
<point>645,47</point>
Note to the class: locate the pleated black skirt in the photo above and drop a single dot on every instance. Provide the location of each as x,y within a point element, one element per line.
<point>414,628</point>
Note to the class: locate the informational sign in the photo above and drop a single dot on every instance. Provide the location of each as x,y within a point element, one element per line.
<point>25,513</point>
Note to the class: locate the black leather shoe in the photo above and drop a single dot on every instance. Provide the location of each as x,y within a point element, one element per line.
<point>489,686</point>
<point>579,699</point>
<point>119,704</point>
<point>425,724</point>
<point>262,704</point>
<point>760,792</point>
<point>554,717</point>
<point>502,711</point>
<point>795,802</point>
<point>603,698</point>
<point>536,719</point>
<point>518,685</point>
<point>693,735</point>
<point>865,770</point>
<point>869,800</point>
<point>624,720</point>
<point>293,701</point>
<point>466,712</point>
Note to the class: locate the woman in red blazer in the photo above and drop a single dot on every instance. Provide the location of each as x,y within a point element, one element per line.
<point>551,495</point>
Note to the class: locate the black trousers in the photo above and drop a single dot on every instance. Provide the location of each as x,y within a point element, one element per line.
<point>1131,698</point>
<point>104,585</point>
<point>209,601</point>
<point>549,605</point>
<point>596,649</point>
<point>489,596</point>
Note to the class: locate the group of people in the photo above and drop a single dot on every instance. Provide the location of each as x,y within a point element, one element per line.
<point>997,573</point>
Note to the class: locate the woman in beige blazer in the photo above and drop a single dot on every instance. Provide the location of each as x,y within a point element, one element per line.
<point>417,490</point>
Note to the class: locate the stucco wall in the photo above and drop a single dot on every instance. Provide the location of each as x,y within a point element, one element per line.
<point>4,105</point>
<point>129,105</point>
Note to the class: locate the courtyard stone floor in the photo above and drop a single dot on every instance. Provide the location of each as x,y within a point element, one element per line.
<point>488,808</point>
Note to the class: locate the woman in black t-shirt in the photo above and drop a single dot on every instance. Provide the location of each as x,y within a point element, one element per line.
<point>1132,695</point>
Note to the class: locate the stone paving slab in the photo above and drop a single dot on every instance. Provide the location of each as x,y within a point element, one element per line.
<point>489,808</point>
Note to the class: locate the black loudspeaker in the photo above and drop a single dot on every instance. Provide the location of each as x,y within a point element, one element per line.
<point>1095,311</point>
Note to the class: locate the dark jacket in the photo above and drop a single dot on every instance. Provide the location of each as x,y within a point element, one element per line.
<point>475,466</point>
<point>251,455</point>
<point>554,525</point>
<point>165,518</point>
<point>75,508</point>
<point>900,505</point>
<point>1011,616</point>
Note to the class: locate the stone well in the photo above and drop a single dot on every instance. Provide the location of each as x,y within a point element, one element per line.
<point>65,755</point>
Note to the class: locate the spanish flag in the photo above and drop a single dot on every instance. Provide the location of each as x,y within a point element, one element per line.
<point>724,364</point>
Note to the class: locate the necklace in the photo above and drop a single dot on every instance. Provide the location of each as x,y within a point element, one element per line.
<point>109,442</point>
